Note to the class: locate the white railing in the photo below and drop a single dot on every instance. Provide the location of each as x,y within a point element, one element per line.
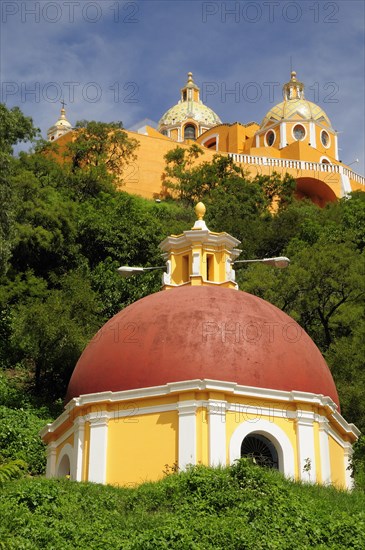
<point>298,165</point>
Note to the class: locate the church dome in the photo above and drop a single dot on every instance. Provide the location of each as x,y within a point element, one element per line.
<point>61,127</point>
<point>201,332</point>
<point>295,106</point>
<point>190,109</point>
<point>189,106</point>
<point>62,121</point>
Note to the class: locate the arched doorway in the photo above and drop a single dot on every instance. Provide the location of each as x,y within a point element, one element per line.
<point>271,432</point>
<point>261,450</point>
<point>64,467</point>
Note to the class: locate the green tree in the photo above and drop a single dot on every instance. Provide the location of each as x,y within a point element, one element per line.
<point>181,174</point>
<point>98,155</point>
<point>44,226</point>
<point>50,333</point>
<point>14,128</point>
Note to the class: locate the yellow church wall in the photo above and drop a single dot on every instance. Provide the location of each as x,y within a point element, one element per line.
<point>233,138</point>
<point>143,176</point>
<point>356,186</point>
<point>337,461</point>
<point>265,151</point>
<point>329,151</point>
<point>152,443</point>
<point>174,134</point>
<point>133,407</point>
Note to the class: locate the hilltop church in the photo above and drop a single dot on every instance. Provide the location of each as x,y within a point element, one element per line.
<point>294,137</point>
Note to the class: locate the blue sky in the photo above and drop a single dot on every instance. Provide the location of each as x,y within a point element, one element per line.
<point>126,60</point>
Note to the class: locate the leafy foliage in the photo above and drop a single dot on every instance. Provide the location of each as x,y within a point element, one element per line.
<point>19,439</point>
<point>242,506</point>
<point>97,156</point>
<point>12,470</point>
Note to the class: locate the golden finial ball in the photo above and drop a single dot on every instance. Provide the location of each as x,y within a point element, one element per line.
<point>200,210</point>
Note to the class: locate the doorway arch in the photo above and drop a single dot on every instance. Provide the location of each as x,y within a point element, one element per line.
<point>262,451</point>
<point>271,432</point>
<point>64,463</point>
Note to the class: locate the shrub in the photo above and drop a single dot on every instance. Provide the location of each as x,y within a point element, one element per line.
<point>20,440</point>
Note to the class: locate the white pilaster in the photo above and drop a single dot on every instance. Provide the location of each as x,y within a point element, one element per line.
<point>282,135</point>
<point>306,453</point>
<point>325,451</point>
<point>196,264</point>
<point>79,442</point>
<point>98,446</point>
<point>312,134</point>
<point>347,464</point>
<point>257,140</point>
<point>51,460</point>
<point>187,433</point>
<point>336,146</point>
<point>217,432</point>
<point>345,183</point>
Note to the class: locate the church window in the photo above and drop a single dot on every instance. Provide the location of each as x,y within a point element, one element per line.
<point>189,132</point>
<point>270,137</point>
<point>260,450</point>
<point>210,267</point>
<point>299,132</point>
<point>325,139</point>
<point>185,269</point>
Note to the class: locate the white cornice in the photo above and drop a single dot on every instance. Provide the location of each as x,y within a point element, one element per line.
<point>200,236</point>
<point>230,388</point>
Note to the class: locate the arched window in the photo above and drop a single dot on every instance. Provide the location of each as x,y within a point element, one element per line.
<point>261,450</point>
<point>189,131</point>
<point>270,137</point>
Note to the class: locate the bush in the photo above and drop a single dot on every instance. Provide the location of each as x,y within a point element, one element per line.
<point>20,440</point>
<point>238,507</point>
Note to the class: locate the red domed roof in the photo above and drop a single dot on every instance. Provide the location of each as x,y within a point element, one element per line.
<point>191,333</point>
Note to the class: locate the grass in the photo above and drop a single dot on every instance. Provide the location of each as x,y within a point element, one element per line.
<point>238,507</point>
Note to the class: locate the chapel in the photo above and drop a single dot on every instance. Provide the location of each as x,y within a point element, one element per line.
<point>200,373</point>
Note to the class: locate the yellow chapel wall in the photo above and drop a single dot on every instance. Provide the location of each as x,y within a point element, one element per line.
<point>143,176</point>
<point>337,461</point>
<point>139,447</point>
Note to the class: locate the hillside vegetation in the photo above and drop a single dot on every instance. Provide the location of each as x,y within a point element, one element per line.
<point>64,229</point>
<point>240,507</point>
